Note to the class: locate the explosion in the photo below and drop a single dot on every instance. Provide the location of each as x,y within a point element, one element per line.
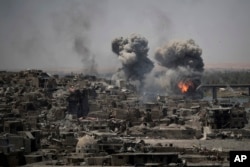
<point>184,66</point>
<point>133,54</point>
<point>185,86</point>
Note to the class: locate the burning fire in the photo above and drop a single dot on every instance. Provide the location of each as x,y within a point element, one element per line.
<point>185,85</point>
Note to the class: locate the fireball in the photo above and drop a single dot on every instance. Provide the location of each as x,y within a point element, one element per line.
<point>184,86</point>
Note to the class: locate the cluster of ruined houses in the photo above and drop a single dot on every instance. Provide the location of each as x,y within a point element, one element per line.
<point>84,120</point>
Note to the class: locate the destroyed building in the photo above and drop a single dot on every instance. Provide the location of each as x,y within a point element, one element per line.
<point>78,103</point>
<point>226,117</point>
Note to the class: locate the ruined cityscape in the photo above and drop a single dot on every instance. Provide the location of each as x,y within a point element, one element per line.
<point>77,119</point>
<point>143,93</point>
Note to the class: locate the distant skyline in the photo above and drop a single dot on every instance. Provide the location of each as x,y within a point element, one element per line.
<point>41,33</point>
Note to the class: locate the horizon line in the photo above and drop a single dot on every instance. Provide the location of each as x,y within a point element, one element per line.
<point>208,66</point>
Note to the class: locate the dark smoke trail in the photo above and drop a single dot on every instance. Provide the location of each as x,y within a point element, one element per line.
<point>88,60</point>
<point>74,22</point>
<point>133,54</point>
<point>184,65</point>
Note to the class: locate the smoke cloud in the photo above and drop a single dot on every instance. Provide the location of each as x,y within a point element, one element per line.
<point>180,54</point>
<point>43,35</point>
<point>79,27</point>
<point>184,65</point>
<point>88,60</point>
<point>133,54</point>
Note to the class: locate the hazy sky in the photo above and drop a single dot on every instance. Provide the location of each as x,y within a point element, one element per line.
<point>41,33</point>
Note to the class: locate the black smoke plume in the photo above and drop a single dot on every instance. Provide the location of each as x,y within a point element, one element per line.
<point>133,54</point>
<point>184,65</point>
<point>180,54</point>
<point>88,60</point>
<point>74,22</point>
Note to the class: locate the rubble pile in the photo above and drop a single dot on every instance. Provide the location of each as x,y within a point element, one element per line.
<point>85,120</point>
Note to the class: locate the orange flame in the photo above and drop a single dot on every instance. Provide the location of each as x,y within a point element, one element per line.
<point>185,85</point>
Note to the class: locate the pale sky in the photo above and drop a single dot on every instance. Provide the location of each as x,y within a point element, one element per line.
<point>41,33</point>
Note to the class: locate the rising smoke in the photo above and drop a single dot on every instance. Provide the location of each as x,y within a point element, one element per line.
<point>88,60</point>
<point>43,34</point>
<point>80,27</point>
<point>133,54</point>
<point>180,54</point>
<point>184,65</point>
<point>73,22</point>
